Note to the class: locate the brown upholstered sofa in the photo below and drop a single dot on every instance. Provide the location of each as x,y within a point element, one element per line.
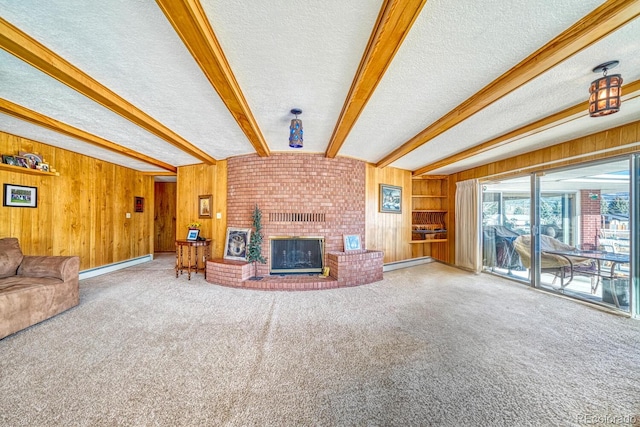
<point>34,288</point>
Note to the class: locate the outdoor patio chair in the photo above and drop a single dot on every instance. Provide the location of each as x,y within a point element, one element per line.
<point>557,265</point>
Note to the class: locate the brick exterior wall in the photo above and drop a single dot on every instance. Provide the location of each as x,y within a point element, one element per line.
<point>589,219</point>
<point>298,183</point>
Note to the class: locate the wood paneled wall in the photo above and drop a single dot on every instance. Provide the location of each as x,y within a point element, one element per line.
<point>164,228</point>
<point>600,145</point>
<point>82,211</point>
<point>199,180</point>
<point>388,232</point>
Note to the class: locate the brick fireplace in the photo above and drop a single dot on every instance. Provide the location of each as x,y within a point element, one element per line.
<point>300,195</point>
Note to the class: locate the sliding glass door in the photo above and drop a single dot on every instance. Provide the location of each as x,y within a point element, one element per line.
<point>634,229</point>
<point>568,231</point>
<point>584,238</point>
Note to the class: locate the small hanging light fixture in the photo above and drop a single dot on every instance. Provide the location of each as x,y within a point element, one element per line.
<point>605,92</point>
<point>295,130</point>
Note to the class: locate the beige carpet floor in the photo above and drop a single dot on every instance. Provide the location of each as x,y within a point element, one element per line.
<point>428,345</point>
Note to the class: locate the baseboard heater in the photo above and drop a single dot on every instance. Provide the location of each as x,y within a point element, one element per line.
<point>407,263</point>
<point>109,268</point>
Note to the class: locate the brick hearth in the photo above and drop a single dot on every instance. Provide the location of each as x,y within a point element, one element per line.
<point>356,268</point>
<point>346,269</point>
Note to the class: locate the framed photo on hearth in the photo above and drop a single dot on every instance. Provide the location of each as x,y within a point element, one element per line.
<point>351,242</point>
<point>390,198</point>
<point>237,243</point>
<point>204,206</point>
<point>19,196</point>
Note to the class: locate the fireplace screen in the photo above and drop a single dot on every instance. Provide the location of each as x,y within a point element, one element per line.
<point>291,255</point>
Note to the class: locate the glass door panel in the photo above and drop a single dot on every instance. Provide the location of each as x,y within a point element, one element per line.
<point>584,236</point>
<point>506,209</point>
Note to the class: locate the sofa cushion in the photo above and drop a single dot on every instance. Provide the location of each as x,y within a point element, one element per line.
<point>17,283</point>
<point>10,256</point>
<point>25,301</point>
<point>59,267</point>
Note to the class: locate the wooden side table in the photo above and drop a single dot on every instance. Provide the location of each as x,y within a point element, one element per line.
<point>192,265</point>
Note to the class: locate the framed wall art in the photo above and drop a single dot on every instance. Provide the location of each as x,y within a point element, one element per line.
<point>19,196</point>
<point>138,204</point>
<point>204,206</point>
<point>237,243</point>
<point>390,198</point>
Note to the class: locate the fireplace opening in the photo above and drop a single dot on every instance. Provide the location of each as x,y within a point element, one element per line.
<point>296,255</point>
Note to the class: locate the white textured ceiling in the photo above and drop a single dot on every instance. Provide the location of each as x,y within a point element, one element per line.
<point>296,53</point>
<point>287,54</point>
<point>563,86</point>
<point>454,50</point>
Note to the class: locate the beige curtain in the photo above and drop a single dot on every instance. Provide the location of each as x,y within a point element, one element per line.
<point>467,226</point>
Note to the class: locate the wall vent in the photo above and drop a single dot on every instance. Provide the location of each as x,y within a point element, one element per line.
<point>296,217</point>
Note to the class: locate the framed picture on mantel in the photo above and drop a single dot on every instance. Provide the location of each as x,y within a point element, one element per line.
<point>390,198</point>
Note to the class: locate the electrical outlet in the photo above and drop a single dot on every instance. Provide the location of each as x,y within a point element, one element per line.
<point>127,215</point>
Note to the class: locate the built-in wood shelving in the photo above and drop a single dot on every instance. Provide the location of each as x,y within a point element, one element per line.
<point>428,209</point>
<point>28,171</point>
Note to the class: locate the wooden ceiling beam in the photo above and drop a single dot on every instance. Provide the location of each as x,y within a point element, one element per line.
<point>629,91</point>
<point>36,118</point>
<point>607,18</point>
<point>394,21</point>
<point>31,51</point>
<point>190,22</point>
